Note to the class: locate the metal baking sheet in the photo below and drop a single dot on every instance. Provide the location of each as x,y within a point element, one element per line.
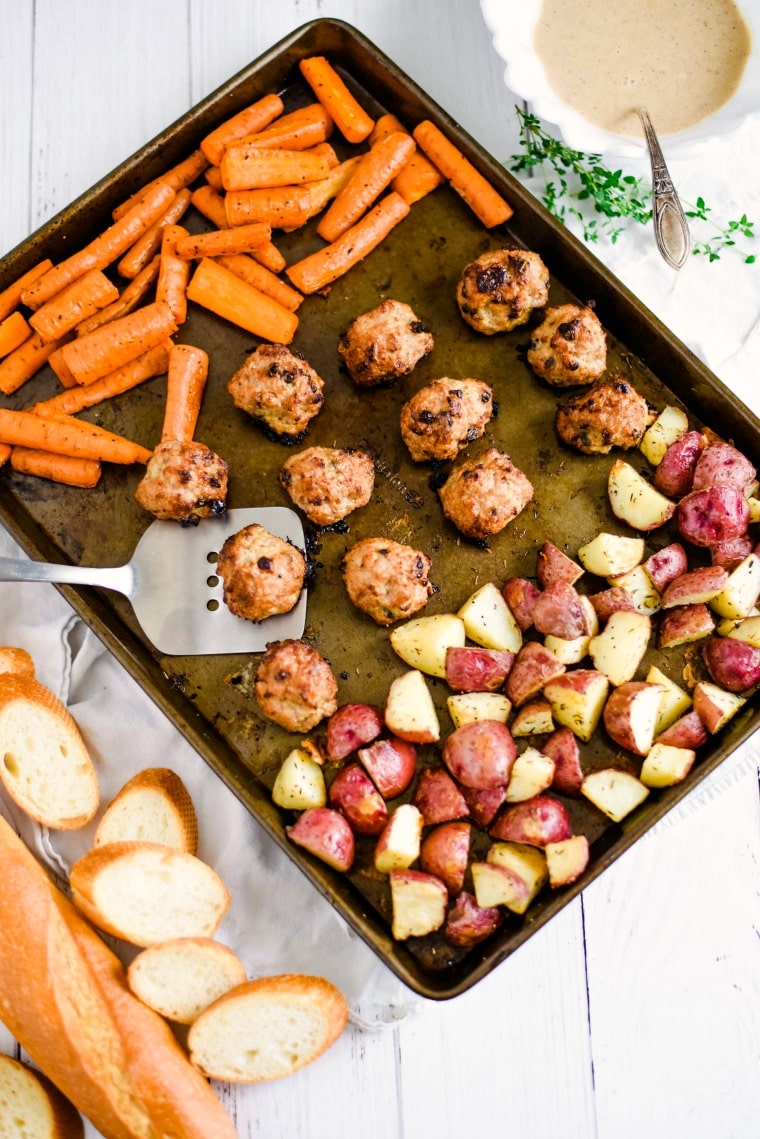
<point>209,699</point>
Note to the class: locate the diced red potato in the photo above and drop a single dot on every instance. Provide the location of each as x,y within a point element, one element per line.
<point>567,860</point>
<point>722,464</point>
<point>684,624</point>
<point>577,699</point>
<point>445,852</point>
<point>350,727</point>
<point>532,773</point>
<point>468,923</point>
<point>475,669</point>
<point>666,565</point>
<point>674,473</point>
<point>714,707</point>
<point>418,902</point>
<point>497,885</point>
<point>695,587</point>
<point>353,792</point>
<point>438,797</point>
<point>635,501</point>
<point>533,719</point>
<point>326,834</point>
<point>391,764</point>
<point>398,844</point>
<point>480,754</point>
<point>553,566</point>
<point>731,553</point>
<point>612,600</point>
<point>562,747</point>
<point>615,792</point>
<point>715,514</point>
<point>559,612</point>
<point>521,596</point>
<point>688,732</point>
<point>527,865</point>
<point>733,665</point>
<point>534,666</point>
<point>535,822</point>
<point>483,804</point>
<point>630,715</point>
<point>666,765</point>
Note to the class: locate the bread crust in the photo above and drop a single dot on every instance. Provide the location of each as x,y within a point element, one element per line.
<point>165,783</point>
<point>32,1087</point>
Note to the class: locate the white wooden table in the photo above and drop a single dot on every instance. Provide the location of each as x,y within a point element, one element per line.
<point>636,1012</point>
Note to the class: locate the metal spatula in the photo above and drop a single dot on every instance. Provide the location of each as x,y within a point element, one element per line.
<point>173,588</point>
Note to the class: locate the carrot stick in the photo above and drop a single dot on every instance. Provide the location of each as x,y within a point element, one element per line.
<point>373,174</point>
<point>213,176</point>
<point>61,368</point>
<point>269,256</point>
<point>83,297</point>
<point>218,242</point>
<point>210,203</point>
<point>299,130</point>
<point>5,453</point>
<point>418,177</point>
<point>349,116</point>
<point>326,265</point>
<point>14,330</point>
<point>221,291</point>
<point>178,178</point>
<point>24,362</point>
<point>247,121</point>
<point>471,186</point>
<point>59,468</point>
<point>64,435</point>
<point>128,299</point>
<point>10,298</point>
<point>262,279</point>
<point>103,250</point>
<point>185,384</point>
<point>118,342</point>
<point>248,167</point>
<point>173,273</point>
<point>154,362</point>
<point>320,193</point>
<point>146,247</point>
<point>281,207</point>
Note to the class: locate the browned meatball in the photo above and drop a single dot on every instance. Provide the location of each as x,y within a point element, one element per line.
<point>295,686</point>
<point>279,388</point>
<point>484,493</point>
<point>386,579</point>
<point>569,346</point>
<point>499,290</point>
<point>610,414</point>
<point>184,482</point>
<point>384,344</point>
<point>444,417</point>
<point>262,575</point>
<point>328,483</point>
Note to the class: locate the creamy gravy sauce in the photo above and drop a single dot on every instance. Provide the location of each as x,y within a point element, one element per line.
<point>681,59</point>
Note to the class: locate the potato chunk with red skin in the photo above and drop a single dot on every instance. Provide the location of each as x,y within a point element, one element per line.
<point>534,821</point>
<point>391,764</point>
<point>733,665</point>
<point>480,754</point>
<point>521,596</point>
<point>438,797</point>
<point>721,464</point>
<point>715,514</point>
<point>534,666</point>
<point>468,923</point>
<point>559,612</point>
<point>474,669</point>
<point>445,852</point>
<point>326,834</point>
<point>674,474</point>
<point>353,792</point>
<point>350,727</point>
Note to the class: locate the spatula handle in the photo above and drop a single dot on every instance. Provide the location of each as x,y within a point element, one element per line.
<point>116,577</point>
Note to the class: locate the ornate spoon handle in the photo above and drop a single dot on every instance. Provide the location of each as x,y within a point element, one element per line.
<point>671,229</point>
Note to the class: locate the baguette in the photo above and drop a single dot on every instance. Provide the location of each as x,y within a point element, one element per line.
<point>13,659</point>
<point>181,978</point>
<point>31,1107</point>
<point>153,806</point>
<point>63,995</point>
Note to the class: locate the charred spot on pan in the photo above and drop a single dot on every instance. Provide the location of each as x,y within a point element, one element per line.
<point>438,477</point>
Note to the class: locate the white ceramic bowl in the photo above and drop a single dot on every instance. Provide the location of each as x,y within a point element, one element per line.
<point>512,24</point>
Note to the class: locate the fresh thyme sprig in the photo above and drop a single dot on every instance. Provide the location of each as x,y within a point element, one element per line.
<point>573,178</point>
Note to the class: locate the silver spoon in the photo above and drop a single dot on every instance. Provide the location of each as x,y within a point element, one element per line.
<point>671,229</point>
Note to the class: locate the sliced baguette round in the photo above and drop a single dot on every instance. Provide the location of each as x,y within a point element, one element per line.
<point>44,763</point>
<point>181,978</point>
<point>153,806</point>
<point>267,1028</point>
<point>145,893</point>
<point>31,1107</point>
<point>14,659</point>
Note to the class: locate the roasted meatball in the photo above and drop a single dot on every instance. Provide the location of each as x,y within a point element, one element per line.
<point>444,417</point>
<point>499,290</point>
<point>484,493</point>
<point>295,686</point>
<point>262,575</point>
<point>184,482</point>
<point>568,347</point>
<point>385,579</point>
<point>279,388</point>
<point>610,414</point>
<point>327,483</point>
<point>384,344</point>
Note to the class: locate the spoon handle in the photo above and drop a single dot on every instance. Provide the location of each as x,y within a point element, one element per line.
<point>671,229</point>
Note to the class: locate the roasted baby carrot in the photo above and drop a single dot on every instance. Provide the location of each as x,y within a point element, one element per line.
<point>298,130</point>
<point>322,192</point>
<point>262,279</point>
<point>105,248</point>
<point>14,330</point>
<point>10,298</point>
<point>281,207</point>
<point>128,299</point>
<point>326,265</point>
<point>185,384</point>
<point>173,273</point>
<point>61,368</point>
<point>145,248</point>
<point>269,256</point>
<point>418,177</point>
<point>58,468</point>
<point>374,173</point>
<point>64,435</point>
<point>210,203</point>
<point>24,362</point>
<point>221,242</point>
<point>226,294</point>
<point>469,183</point>
<point>154,362</point>
<point>180,176</point>
<point>107,348</point>
<point>5,453</point>
<point>349,116</point>
<point>248,167</point>
<point>213,176</point>
<point>247,121</point>
<point>83,297</point>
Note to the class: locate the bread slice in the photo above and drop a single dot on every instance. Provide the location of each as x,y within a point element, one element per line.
<point>44,762</point>
<point>181,978</point>
<point>14,659</point>
<point>267,1028</point>
<point>31,1107</point>
<point>153,806</point>
<point>145,893</point>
